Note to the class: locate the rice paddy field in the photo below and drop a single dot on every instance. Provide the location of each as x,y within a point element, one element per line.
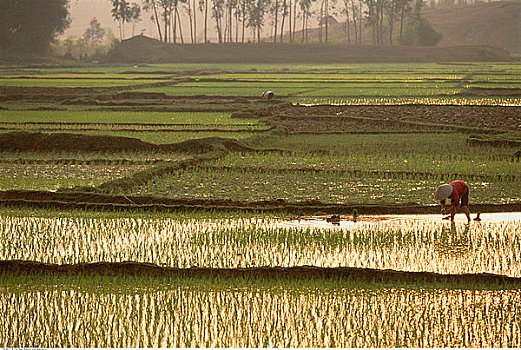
<point>184,167</point>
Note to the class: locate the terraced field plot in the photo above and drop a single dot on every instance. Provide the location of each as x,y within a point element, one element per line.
<point>252,314</point>
<point>208,240</point>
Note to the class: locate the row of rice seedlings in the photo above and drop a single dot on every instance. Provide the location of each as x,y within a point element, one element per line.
<point>73,83</point>
<point>118,117</point>
<point>325,186</point>
<point>134,127</point>
<point>410,145</point>
<point>258,317</point>
<point>119,157</point>
<point>407,245</point>
<point>169,137</point>
<point>476,165</point>
<point>50,176</point>
<point>459,101</point>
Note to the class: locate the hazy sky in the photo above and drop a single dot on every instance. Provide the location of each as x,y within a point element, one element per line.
<point>82,11</point>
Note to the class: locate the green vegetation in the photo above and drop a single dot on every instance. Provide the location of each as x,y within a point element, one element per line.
<point>137,312</point>
<point>166,204</point>
<point>120,117</point>
<point>219,240</point>
<point>134,312</point>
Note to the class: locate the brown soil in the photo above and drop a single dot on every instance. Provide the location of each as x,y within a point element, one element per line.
<point>384,117</point>
<point>300,272</point>
<point>43,142</point>
<point>94,201</point>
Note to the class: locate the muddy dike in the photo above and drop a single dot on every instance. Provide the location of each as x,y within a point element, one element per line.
<point>102,202</point>
<point>347,274</point>
<point>21,141</point>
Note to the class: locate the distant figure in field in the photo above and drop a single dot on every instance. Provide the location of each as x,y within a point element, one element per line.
<point>268,95</point>
<point>458,192</point>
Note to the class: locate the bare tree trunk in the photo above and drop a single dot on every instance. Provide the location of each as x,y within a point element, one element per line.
<point>294,19</point>
<point>354,20</point>
<point>180,29</point>
<point>360,22</point>
<point>157,21</point>
<point>284,14</point>
<point>307,19</point>
<point>327,19</point>
<point>346,4</point>
<point>402,14</point>
<point>174,28</point>
<point>243,20</point>
<point>237,23</point>
<point>206,21</point>
<point>303,24</point>
<point>321,19</point>
<point>230,19</point>
<point>276,20</point>
<point>191,22</point>
<point>195,22</point>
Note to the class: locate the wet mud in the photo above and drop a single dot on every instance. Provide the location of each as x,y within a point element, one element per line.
<point>97,201</point>
<point>365,275</point>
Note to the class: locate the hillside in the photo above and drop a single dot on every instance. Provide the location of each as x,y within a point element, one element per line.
<point>489,24</point>
<point>494,23</point>
<point>144,49</point>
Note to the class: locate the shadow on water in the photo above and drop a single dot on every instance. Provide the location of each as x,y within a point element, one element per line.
<point>453,241</point>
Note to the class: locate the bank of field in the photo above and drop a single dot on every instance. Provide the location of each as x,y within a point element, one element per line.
<point>138,312</point>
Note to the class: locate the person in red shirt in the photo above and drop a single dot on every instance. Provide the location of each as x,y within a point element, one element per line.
<point>458,192</point>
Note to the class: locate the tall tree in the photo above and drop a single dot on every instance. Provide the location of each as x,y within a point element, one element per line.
<point>203,7</point>
<point>275,8</point>
<point>120,13</point>
<point>305,8</point>
<point>345,11</point>
<point>94,33</point>
<point>134,16</point>
<point>284,15</point>
<point>217,14</point>
<point>151,5</point>
<point>32,25</point>
<point>257,10</point>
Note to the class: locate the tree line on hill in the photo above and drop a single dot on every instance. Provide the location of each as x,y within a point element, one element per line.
<point>31,25</point>
<point>289,20</point>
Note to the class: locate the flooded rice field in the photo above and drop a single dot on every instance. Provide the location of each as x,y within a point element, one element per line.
<point>404,243</point>
<point>256,315</point>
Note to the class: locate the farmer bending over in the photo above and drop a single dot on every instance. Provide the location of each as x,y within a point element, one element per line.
<point>458,192</point>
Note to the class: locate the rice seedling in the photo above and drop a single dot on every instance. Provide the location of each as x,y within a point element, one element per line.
<point>208,240</point>
<point>135,313</point>
<point>121,118</point>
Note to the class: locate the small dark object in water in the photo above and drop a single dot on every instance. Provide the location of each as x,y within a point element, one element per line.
<point>477,217</point>
<point>446,217</point>
<point>334,219</point>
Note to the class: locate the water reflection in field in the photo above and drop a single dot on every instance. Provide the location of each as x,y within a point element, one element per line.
<point>260,317</point>
<point>400,243</point>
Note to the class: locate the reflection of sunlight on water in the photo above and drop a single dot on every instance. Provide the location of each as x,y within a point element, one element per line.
<point>346,222</point>
<point>399,242</point>
<point>298,315</point>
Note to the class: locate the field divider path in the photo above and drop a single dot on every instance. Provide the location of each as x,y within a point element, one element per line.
<point>105,202</point>
<point>357,172</point>
<point>366,275</point>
